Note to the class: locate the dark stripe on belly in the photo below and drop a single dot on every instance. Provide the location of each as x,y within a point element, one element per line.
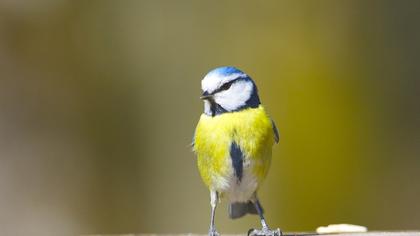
<point>237,160</point>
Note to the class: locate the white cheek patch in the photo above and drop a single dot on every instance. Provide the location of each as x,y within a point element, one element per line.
<point>207,107</point>
<point>236,96</point>
<point>213,81</point>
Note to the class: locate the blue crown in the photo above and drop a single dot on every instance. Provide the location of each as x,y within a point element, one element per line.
<point>226,70</point>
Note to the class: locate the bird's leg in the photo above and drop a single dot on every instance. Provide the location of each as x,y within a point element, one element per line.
<point>265,231</point>
<point>214,198</point>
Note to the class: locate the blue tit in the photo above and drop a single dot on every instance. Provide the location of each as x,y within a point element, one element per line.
<point>233,141</point>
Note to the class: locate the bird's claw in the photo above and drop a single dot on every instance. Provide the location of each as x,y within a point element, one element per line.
<point>265,232</point>
<point>213,232</point>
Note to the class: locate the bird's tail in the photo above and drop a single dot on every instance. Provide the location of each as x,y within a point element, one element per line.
<point>239,209</point>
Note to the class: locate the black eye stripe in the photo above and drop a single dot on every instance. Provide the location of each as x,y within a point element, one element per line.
<point>225,86</point>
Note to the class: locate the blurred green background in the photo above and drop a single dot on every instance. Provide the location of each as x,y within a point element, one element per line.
<point>99,101</point>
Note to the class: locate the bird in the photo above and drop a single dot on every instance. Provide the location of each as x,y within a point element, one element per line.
<point>233,143</point>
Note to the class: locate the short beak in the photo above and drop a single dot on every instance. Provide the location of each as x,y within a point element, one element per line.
<point>206,96</point>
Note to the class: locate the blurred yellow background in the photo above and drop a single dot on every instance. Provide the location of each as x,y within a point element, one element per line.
<point>99,101</point>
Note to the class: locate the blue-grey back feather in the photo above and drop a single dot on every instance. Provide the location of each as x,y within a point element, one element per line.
<point>276,132</point>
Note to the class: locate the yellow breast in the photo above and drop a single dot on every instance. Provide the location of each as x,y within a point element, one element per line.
<point>251,129</point>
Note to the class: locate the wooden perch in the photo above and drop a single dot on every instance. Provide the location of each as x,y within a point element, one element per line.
<point>373,233</point>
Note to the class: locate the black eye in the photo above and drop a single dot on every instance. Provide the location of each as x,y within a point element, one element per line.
<point>226,86</point>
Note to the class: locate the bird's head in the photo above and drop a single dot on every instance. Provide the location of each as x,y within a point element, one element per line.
<point>227,89</point>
